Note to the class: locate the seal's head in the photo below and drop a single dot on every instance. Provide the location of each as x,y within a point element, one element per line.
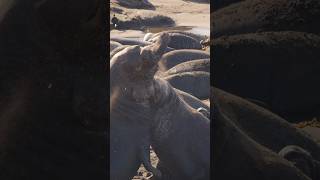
<point>132,70</point>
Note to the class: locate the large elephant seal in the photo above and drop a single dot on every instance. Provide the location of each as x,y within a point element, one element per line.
<point>198,37</point>
<point>282,66</point>
<point>181,41</point>
<point>49,127</point>
<point>257,123</point>
<point>189,66</point>
<point>196,83</point>
<point>234,151</point>
<point>176,57</point>
<point>120,48</point>
<point>266,15</point>
<point>172,119</point>
<point>130,123</point>
<point>130,41</point>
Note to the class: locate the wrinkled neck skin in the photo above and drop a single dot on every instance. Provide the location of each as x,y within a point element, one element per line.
<point>166,104</point>
<point>129,133</point>
<point>180,132</point>
<point>124,108</point>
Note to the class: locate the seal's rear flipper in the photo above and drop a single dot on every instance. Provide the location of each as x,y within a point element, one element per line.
<point>145,157</point>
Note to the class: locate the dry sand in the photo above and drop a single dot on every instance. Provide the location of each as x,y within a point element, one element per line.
<point>182,12</point>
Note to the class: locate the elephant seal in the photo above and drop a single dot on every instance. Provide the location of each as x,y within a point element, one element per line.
<point>114,45</point>
<point>191,100</point>
<point>129,41</point>
<point>196,83</point>
<point>135,76</point>
<point>282,65</point>
<point>302,159</point>
<point>175,57</point>
<point>245,114</point>
<point>263,15</point>
<point>130,125</point>
<point>47,129</point>
<point>234,151</point>
<point>189,66</point>
<point>167,139</point>
<point>198,37</point>
<point>118,49</point>
<point>181,41</point>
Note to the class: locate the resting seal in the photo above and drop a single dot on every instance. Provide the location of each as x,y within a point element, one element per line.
<point>265,16</point>
<point>176,57</point>
<point>181,41</point>
<point>189,66</point>
<point>282,65</point>
<point>196,83</point>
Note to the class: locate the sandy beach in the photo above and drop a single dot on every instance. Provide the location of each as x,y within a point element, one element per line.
<point>189,16</point>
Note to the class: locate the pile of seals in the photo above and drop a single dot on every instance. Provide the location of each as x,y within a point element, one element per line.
<point>266,71</point>
<point>156,91</point>
<point>268,51</point>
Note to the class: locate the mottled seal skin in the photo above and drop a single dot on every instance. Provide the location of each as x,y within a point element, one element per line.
<point>176,57</point>
<point>283,66</point>
<point>172,120</point>
<point>257,122</point>
<point>234,151</point>
<point>196,83</point>
<point>130,113</point>
<point>177,126</point>
<point>189,66</point>
<point>267,15</point>
<point>181,41</point>
<point>46,130</point>
<point>114,45</point>
<point>302,159</point>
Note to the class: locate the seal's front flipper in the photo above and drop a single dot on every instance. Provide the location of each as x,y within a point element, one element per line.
<point>145,157</point>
